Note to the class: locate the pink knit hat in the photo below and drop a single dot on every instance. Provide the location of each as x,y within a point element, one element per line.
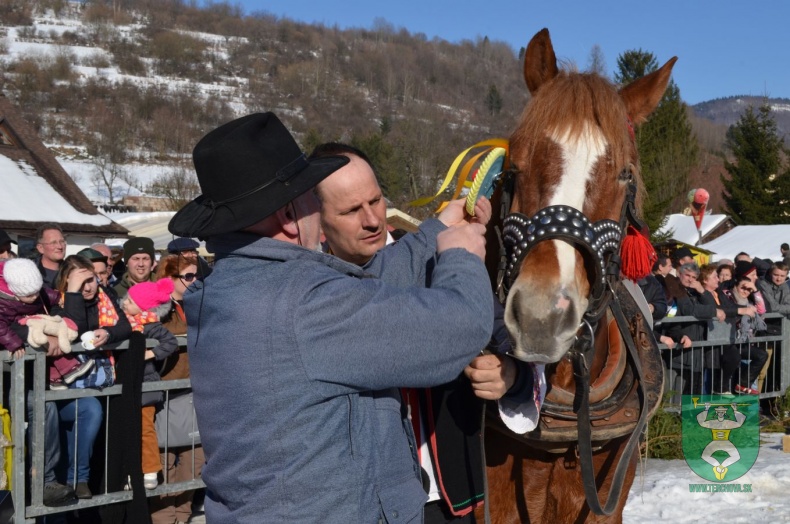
<point>150,295</point>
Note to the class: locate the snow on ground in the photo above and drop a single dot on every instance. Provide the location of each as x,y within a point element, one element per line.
<point>662,494</point>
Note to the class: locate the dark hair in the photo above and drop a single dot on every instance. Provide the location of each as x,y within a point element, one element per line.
<point>661,261</point>
<point>730,267</point>
<point>742,278</point>
<point>337,149</point>
<point>46,227</point>
<point>70,263</point>
<point>785,247</point>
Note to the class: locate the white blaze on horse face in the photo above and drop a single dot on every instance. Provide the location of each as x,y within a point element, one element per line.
<point>579,155</point>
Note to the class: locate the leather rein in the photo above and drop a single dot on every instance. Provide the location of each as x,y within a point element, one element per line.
<point>601,242</point>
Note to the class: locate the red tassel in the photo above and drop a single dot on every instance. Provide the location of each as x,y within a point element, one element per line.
<point>637,255</point>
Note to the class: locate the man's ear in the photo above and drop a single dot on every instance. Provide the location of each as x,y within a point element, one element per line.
<point>285,216</point>
<point>39,249</point>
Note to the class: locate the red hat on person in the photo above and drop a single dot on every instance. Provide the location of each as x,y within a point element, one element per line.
<point>150,295</point>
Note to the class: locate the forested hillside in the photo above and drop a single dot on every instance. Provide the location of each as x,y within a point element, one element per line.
<point>113,82</point>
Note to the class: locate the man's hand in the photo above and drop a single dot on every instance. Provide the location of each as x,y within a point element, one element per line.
<point>491,376</point>
<point>720,314</point>
<point>455,212</point>
<point>469,236</point>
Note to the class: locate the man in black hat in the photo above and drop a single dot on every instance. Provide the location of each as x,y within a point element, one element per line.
<point>5,245</point>
<point>296,356</point>
<point>139,256</point>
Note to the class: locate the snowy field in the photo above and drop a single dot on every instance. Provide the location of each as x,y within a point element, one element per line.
<point>661,493</point>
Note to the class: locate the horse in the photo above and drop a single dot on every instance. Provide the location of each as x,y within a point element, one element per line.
<point>572,188</point>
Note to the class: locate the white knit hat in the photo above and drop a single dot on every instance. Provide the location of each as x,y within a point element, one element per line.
<point>22,276</point>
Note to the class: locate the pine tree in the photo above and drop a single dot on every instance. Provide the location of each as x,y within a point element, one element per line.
<point>666,142</point>
<point>757,189</point>
<point>493,100</point>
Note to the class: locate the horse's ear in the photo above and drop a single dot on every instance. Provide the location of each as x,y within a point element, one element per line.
<point>540,63</point>
<point>643,94</point>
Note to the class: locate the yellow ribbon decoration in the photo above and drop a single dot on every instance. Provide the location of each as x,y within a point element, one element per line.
<point>490,144</point>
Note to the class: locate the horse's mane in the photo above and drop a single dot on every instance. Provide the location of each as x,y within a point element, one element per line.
<point>569,103</point>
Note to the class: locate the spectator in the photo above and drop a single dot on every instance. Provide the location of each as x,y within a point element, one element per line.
<point>184,246</point>
<point>762,266</point>
<point>693,300</point>
<point>139,256</point>
<point>775,291</point>
<point>105,251</point>
<point>84,302</point>
<point>12,336</point>
<point>743,294</point>
<point>729,358</point>
<point>144,305</point>
<point>680,256</point>
<point>181,463</point>
<point>22,295</point>
<point>313,419</point>
<point>661,269</point>
<point>5,245</point>
<point>117,263</point>
<point>724,272</point>
<point>785,250</point>
<point>51,246</point>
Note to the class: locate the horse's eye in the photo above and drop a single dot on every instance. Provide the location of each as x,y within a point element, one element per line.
<point>626,175</point>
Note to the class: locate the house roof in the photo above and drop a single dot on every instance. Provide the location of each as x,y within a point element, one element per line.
<point>36,188</point>
<point>685,230</point>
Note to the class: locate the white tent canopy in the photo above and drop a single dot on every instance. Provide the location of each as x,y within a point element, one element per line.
<point>758,241</point>
<point>152,225</point>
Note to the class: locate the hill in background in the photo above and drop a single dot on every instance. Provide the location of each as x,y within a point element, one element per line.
<point>123,90</point>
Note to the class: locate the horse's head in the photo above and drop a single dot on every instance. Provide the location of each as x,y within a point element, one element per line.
<point>574,146</point>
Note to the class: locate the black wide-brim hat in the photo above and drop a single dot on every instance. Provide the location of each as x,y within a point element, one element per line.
<point>247,169</point>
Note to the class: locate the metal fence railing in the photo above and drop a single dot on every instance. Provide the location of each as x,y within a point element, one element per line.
<point>697,370</point>
<point>27,485</point>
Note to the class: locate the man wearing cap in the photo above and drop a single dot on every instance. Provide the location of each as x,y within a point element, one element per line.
<point>5,245</point>
<point>139,256</point>
<point>183,246</point>
<point>295,355</point>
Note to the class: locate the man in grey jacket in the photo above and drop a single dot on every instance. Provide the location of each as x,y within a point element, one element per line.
<point>774,289</point>
<point>295,355</point>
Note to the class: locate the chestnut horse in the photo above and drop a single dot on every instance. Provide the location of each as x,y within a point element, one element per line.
<point>572,191</point>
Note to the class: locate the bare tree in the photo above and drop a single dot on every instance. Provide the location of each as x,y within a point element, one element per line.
<point>179,185</point>
<point>108,176</point>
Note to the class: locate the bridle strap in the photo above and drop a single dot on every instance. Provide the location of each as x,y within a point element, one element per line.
<point>582,374</point>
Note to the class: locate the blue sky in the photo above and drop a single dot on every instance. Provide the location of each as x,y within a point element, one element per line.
<point>724,48</point>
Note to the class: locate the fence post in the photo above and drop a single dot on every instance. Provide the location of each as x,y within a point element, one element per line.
<point>785,375</point>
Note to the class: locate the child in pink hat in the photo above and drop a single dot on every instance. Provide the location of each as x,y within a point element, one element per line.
<point>144,305</point>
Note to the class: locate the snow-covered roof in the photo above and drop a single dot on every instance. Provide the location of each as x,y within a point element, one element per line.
<point>23,187</point>
<point>758,241</point>
<point>685,230</point>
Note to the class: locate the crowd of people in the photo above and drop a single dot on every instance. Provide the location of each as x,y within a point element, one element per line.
<point>337,372</point>
<point>729,300</point>
<point>101,307</point>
